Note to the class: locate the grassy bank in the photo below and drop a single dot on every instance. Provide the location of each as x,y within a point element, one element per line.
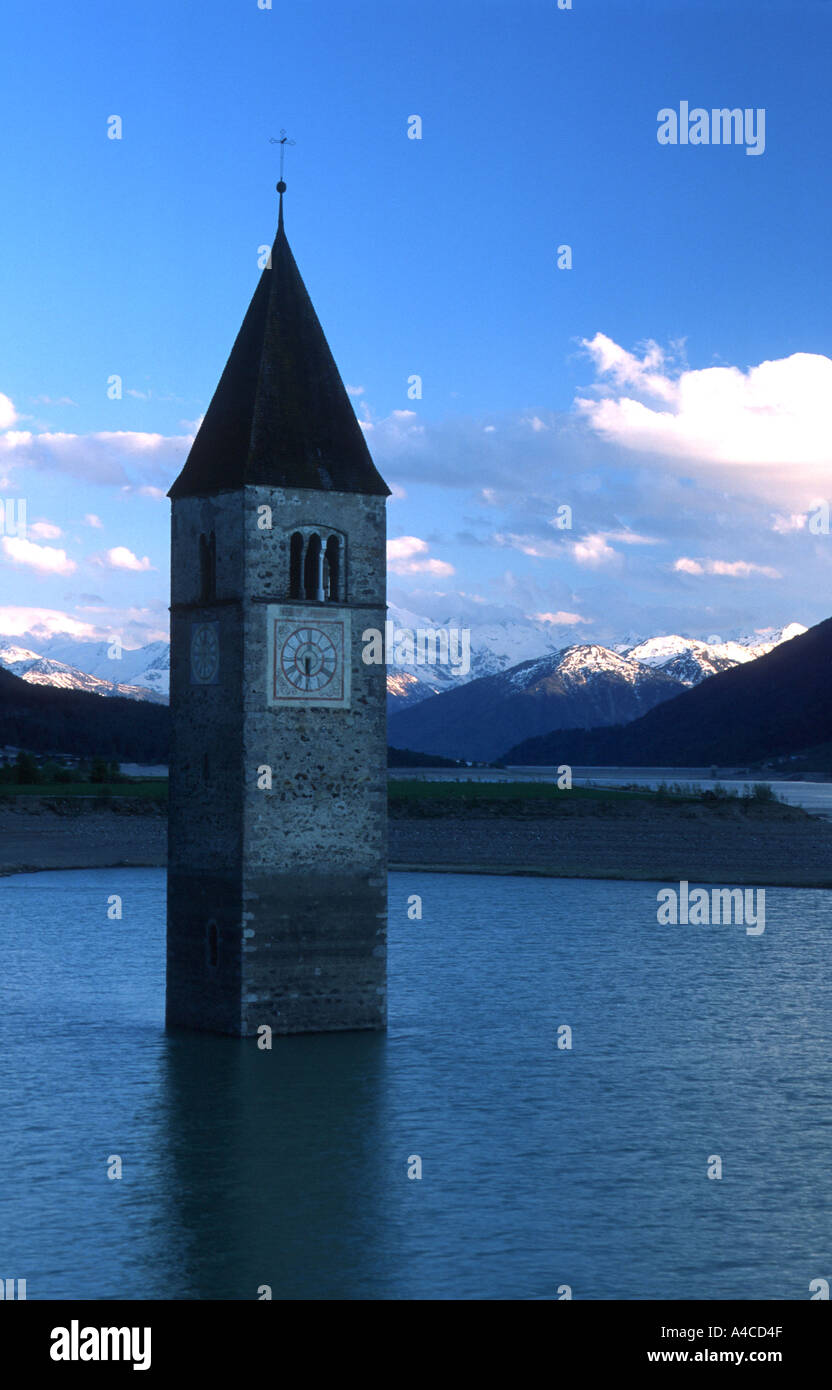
<point>414,797</point>
<point>146,789</point>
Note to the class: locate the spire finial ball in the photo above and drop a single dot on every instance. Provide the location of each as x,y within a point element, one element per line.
<point>281,187</point>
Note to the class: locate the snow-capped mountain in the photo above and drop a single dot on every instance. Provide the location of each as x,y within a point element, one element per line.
<point>765,639</point>
<point>66,662</point>
<point>495,645</point>
<point>500,644</point>
<point>690,661</point>
<point>772,709</point>
<point>405,689</point>
<point>582,687</point>
<point>505,642</point>
<point>147,667</point>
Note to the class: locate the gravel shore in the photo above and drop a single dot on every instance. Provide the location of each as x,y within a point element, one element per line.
<point>71,833</point>
<point>664,844</point>
<point>731,843</point>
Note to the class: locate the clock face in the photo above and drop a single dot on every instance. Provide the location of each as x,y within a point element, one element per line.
<point>205,653</point>
<point>309,659</point>
<point>307,656</point>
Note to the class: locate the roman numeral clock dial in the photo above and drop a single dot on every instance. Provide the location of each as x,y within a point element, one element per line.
<point>307,661</point>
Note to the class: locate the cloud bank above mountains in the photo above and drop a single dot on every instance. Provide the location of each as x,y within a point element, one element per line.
<point>687,492</point>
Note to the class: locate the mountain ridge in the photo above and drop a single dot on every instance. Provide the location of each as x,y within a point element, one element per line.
<point>775,706</point>
<point>586,683</point>
<point>581,686</point>
<point>46,719</point>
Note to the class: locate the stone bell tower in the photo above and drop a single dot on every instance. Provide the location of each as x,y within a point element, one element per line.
<point>277,849</point>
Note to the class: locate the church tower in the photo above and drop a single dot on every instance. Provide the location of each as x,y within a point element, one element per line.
<point>277,898</point>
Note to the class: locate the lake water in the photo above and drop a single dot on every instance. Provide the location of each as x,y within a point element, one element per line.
<point>540,1167</point>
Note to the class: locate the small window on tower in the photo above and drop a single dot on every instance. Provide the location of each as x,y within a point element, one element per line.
<point>207,567</point>
<point>295,565</point>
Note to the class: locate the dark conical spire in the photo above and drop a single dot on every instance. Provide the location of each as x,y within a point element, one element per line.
<point>280,416</point>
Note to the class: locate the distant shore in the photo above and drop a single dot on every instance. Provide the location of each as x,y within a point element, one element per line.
<point>731,843</point>
<point>657,846</point>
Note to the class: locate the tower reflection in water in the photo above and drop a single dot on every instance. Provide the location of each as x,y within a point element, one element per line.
<point>274,1172</point>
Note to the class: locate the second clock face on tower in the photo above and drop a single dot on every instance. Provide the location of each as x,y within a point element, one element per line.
<point>308,656</point>
<point>205,653</point>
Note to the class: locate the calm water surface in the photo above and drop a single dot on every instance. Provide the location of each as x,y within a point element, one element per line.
<point>540,1167</point>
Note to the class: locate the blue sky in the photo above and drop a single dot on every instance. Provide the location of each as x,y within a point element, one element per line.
<point>596,387</point>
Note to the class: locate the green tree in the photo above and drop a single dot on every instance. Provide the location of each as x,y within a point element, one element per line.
<point>27,772</point>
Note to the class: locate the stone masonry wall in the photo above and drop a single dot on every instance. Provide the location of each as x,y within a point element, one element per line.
<point>293,879</point>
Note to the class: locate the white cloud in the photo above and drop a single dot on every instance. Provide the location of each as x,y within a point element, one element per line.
<point>560,619</point>
<point>593,550</point>
<point>44,530</point>
<point>733,569</point>
<point>626,369</point>
<point>404,546</point>
<point>355,390</point>
<point>536,546</point>
<point>42,622</point>
<point>135,626</point>
<point>773,415</point>
<point>98,458</point>
<point>631,538</point>
<point>8,414</point>
<point>402,558</point>
<point>784,524</point>
<point>92,520</point>
<point>120,558</point>
<point>45,558</point>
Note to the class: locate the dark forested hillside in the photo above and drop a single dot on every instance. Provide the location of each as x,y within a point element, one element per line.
<point>43,719</point>
<point>772,707</point>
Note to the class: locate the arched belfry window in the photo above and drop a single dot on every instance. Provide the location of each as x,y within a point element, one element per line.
<point>331,569</point>
<point>313,569</point>
<point>208,567</point>
<point>316,565</point>
<point>296,565</point>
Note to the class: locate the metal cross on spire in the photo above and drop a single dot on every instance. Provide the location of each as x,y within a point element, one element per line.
<point>282,142</point>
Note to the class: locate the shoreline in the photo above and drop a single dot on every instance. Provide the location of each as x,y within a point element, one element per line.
<point>637,841</point>
<point>613,875</point>
<point>480,870</point>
